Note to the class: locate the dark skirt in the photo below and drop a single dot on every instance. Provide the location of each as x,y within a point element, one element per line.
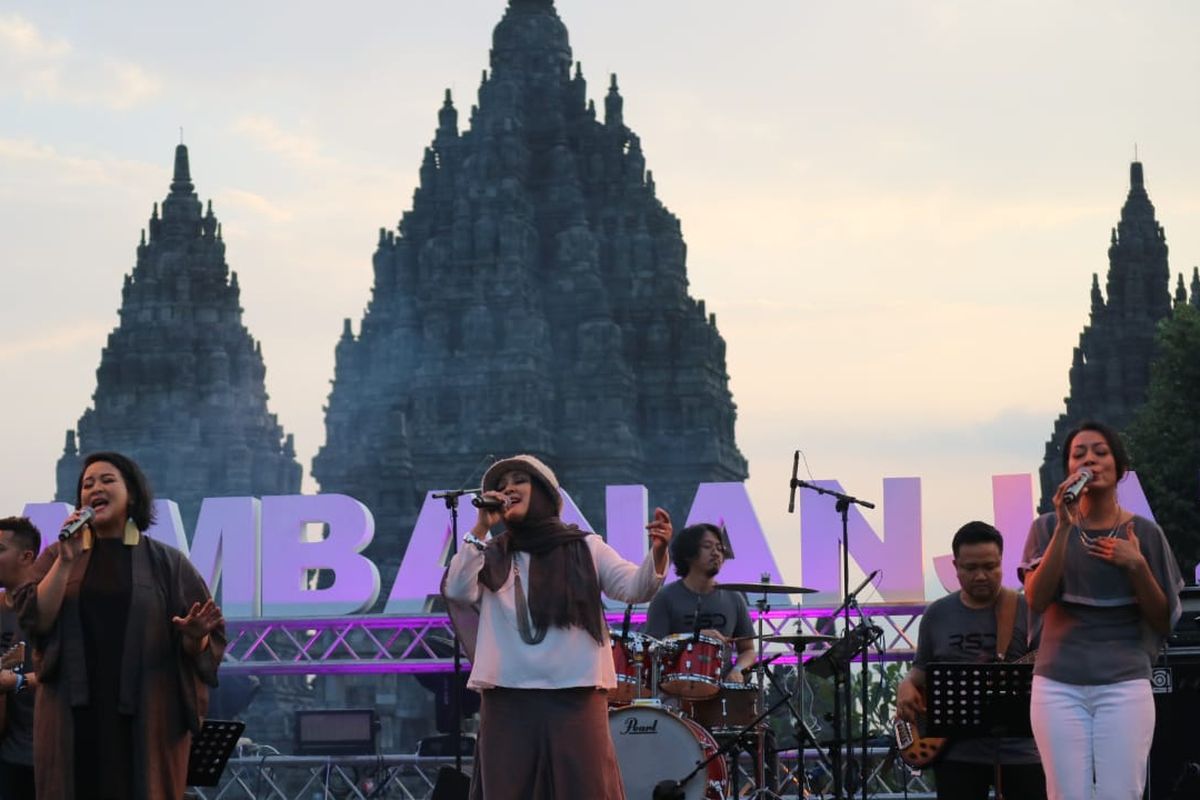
<point>545,744</point>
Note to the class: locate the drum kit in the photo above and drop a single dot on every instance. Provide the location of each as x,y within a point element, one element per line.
<point>678,723</point>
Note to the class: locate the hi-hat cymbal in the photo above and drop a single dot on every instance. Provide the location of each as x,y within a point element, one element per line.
<point>801,639</point>
<point>764,588</point>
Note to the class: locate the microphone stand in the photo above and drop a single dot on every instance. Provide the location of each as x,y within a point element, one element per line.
<point>451,498</point>
<point>843,693</point>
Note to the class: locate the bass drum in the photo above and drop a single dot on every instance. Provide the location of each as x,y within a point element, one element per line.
<point>655,744</point>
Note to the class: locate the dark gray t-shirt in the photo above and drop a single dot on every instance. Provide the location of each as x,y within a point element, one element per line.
<point>1095,611</point>
<point>674,610</point>
<point>951,631</point>
<point>17,745</point>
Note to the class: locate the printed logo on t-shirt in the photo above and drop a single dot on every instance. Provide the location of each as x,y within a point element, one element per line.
<point>971,644</point>
<point>708,619</point>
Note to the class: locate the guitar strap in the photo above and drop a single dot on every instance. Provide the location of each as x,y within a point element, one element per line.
<point>1006,620</point>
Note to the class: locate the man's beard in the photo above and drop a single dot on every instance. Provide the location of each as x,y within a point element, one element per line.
<point>711,572</point>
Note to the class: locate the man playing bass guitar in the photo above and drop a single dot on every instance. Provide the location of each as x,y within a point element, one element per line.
<point>973,625</point>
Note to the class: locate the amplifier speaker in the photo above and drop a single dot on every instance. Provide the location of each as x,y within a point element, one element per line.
<point>1175,754</point>
<point>343,731</point>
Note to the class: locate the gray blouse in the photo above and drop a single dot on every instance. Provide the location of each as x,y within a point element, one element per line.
<point>1092,631</point>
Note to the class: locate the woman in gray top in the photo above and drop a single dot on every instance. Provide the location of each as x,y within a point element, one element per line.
<point>1107,585</point>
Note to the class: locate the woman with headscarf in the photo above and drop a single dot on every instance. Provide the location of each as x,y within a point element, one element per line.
<point>542,659</point>
<point>126,642</point>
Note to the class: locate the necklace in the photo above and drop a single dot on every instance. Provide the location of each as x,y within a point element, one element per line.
<point>1087,539</point>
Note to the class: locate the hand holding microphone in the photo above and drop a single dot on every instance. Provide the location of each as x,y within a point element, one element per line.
<point>1075,489</point>
<point>492,506</point>
<point>73,526</point>
<point>489,503</point>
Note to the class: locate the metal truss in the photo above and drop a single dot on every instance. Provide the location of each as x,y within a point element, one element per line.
<point>410,777</point>
<point>377,644</point>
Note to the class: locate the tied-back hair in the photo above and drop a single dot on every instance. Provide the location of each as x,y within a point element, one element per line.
<point>24,532</point>
<point>1111,437</point>
<point>141,497</point>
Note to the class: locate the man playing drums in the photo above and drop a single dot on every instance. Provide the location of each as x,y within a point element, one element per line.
<point>696,604</point>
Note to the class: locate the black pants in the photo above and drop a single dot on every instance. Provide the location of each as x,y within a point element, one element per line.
<point>958,780</point>
<point>16,782</point>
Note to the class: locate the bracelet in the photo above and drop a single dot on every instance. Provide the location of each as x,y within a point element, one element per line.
<point>471,538</point>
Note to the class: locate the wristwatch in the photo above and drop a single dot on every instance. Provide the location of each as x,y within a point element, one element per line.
<point>20,682</point>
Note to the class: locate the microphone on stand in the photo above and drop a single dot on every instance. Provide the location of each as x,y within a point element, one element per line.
<point>792,490</point>
<point>86,515</point>
<point>1072,492</point>
<point>696,619</point>
<point>625,623</point>
<point>489,503</point>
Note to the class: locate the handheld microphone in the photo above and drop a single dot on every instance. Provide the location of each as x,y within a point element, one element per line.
<point>489,503</point>
<point>1072,492</point>
<point>86,515</point>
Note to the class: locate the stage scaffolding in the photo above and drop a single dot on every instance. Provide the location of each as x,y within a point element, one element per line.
<point>421,643</point>
<point>378,644</point>
<point>409,777</point>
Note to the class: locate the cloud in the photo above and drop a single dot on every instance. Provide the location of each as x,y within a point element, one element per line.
<point>255,203</point>
<point>268,135</point>
<point>62,340</point>
<point>70,170</point>
<point>45,68</point>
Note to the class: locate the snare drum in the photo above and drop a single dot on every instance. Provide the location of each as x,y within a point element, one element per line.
<point>633,660</point>
<point>656,744</point>
<point>691,665</point>
<point>735,707</point>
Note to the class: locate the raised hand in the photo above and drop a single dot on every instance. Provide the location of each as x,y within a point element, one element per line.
<point>660,531</point>
<point>201,620</point>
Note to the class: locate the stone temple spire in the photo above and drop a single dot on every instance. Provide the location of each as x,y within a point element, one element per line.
<point>1110,371</point>
<point>180,382</point>
<point>534,299</point>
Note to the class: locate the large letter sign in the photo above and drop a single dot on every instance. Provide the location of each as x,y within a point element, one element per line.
<point>260,556</point>
<point>900,554</point>
<point>290,555</point>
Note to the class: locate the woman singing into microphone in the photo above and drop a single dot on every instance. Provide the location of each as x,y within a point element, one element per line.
<point>1108,586</point>
<point>542,660</point>
<point>127,642</point>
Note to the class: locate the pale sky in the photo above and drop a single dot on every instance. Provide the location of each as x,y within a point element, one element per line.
<point>894,209</point>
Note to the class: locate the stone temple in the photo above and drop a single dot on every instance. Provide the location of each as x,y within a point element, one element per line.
<point>1110,369</point>
<point>180,383</point>
<point>534,299</point>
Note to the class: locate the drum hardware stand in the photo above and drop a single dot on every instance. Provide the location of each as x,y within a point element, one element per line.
<point>842,682</point>
<point>859,640</point>
<point>800,727</point>
<point>673,789</point>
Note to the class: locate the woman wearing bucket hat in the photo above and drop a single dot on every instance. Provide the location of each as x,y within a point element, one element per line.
<point>542,661</point>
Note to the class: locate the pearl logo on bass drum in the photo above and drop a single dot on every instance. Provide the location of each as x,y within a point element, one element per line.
<point>632,726</point>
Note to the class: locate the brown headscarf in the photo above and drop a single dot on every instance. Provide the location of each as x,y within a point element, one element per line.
<point>563,588</point>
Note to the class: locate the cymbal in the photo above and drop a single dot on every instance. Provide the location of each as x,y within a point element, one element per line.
<point>764,588</point>
<point>801,639</point>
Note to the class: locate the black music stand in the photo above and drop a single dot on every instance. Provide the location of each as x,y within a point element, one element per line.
<point>973,700</point>
<point>211,750</point>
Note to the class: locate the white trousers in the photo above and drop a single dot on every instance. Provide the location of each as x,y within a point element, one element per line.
<point>1097,735</point>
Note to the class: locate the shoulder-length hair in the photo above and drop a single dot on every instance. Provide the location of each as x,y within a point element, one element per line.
<point>141,497</point>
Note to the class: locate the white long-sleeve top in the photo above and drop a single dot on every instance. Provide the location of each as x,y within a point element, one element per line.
<point>567,657</point>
